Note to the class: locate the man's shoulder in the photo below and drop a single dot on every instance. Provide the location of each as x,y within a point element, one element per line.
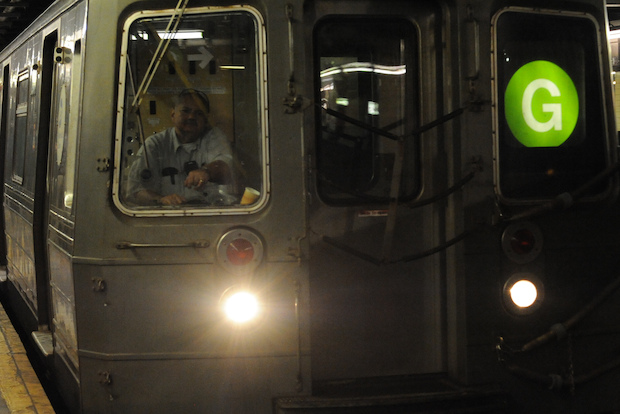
<point>215,133</point>
<point>215,136</point>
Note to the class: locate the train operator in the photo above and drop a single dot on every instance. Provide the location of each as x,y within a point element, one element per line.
<point>184,163</point>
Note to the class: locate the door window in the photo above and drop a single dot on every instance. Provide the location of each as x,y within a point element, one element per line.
<point>366,70</point>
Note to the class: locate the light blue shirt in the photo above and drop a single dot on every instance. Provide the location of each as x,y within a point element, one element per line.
<point>167,158</point>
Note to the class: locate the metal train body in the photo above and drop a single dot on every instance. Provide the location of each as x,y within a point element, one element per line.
<point>399,199</point>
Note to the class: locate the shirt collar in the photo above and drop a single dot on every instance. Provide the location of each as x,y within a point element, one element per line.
<point>177,144</point>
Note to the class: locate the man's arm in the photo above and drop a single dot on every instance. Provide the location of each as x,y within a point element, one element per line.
<point>217,172</point>
<point>146,197</point>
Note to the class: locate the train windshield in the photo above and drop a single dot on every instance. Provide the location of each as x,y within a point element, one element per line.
<point>367,88</point>
<point>191,133</point>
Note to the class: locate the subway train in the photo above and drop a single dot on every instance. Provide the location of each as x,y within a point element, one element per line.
<point>317,206</point>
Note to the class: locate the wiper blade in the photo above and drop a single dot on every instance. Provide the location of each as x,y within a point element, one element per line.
<point>162,47</point>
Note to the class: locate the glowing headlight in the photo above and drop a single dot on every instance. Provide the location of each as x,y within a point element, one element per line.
<point>241,307</point>
<point>523,293</point>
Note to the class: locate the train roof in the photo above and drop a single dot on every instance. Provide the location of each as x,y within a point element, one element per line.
<point>17,15</point>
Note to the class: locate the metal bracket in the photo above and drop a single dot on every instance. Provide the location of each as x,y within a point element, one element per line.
<point>105,378</point>
<point>62,55</point>
<point>198,244</point>
<point>99,284</point>
<point>292,101</point>
<point>103,164</point>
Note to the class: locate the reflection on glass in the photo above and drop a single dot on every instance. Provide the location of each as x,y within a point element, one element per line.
<point>21,126</point>
<point>367,73</point>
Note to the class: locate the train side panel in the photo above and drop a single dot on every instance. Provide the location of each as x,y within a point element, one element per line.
<point>21,122</point>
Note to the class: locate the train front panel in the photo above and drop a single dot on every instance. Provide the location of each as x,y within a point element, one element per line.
<point>539,270</point>
<point>369,182</point>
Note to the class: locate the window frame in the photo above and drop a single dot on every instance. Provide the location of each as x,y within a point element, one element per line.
<point>262,116</point>
<point>65,132</point>
<point>499,110</point>
<point>22,109</point>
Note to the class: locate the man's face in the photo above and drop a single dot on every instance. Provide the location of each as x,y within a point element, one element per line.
<point>190,119</point>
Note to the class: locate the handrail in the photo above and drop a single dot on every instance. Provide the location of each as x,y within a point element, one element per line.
<point>198,244</point>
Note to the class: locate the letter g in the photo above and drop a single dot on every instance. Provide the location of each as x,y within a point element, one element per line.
<point>554,108</point>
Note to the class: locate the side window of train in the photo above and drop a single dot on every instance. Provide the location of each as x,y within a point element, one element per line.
<point>551,135</point>
<point>367,78</point>
<point>21,127</point>
<point>65,134</point>
<point>191,132</point>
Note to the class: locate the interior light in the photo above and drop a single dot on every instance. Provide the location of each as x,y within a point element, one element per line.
<point>181,34</point>
<point>140,35</point>
<point>523,293</point>
<point>614,34</point>
<point>373,108</point>
<point>241,307</point>
<point>367,67</point>
<point>232,67</point>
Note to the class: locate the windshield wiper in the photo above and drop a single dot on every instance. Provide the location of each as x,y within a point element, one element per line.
<point>162,47</point>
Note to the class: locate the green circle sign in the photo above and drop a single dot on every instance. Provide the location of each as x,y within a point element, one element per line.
<point>541,104</point>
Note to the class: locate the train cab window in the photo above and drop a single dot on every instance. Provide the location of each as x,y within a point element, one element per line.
<point>367,86</point>
<point>551,136</point>
<point>21,127</point>
<point>191,133</point>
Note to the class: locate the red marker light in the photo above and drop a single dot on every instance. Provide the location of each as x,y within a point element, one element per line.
<point>240,252</point>
<point>522,241</point>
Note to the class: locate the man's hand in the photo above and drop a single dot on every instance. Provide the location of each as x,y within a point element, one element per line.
<point>197,179</point>
<point>172,200</point>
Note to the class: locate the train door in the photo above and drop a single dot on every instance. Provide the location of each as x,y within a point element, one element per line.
<point>62,166</point>
<point>26,124</point>
<point>40,214</point>
<point>4,104</point>
<point>377,308</point>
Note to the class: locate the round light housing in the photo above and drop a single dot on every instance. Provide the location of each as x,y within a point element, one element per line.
<point>522,242</point>
<point>523,293</point>
<point>240,250</point>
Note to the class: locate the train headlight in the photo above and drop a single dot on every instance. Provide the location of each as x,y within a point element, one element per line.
<point>523,293</point>
<point>240,306</point>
